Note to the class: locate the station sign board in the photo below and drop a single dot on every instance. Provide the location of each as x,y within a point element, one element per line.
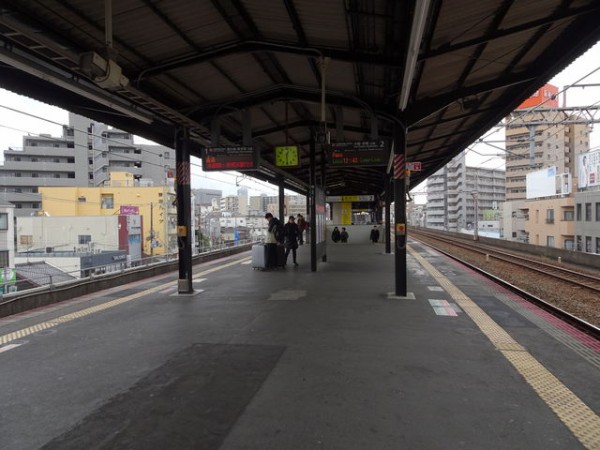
<point>229,158</point>
<point>413,166</point>
<point>361,153</point>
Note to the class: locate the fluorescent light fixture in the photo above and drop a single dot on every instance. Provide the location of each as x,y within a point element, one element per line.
<point>63,81</point>
<point>416,35</point>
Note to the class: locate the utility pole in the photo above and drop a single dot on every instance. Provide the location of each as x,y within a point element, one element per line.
<point>151,229</point>
<point>475,205</point>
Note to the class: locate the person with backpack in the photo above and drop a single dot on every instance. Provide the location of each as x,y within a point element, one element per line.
<point>275,237</point>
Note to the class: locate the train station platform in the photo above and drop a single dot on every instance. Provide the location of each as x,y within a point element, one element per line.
<point>294,359</point>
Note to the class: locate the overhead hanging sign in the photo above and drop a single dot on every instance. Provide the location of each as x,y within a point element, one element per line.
<point>361,153</point>
<point>229,158</point>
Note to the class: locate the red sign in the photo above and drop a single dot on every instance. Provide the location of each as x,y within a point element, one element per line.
<point>413,166</point>
<point>129,210</point>
<point>229,158</point>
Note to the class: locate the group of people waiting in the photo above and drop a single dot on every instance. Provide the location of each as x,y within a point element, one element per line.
<point>339,236</point>
<point>291,235</point>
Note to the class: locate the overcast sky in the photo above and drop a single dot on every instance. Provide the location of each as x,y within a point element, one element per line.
<point>14,125</point>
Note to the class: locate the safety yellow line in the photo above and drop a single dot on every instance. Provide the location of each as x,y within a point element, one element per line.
<point>573,412</point>
<point>20,334</point>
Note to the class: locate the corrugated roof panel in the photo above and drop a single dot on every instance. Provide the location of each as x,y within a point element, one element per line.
<point>302,73</point>
<point>214,85</point>
<point>244,71</point>
<point>524,11</point>
<point>324,23</point>
<point>340,77</point>
<point>272,20</point>
<point>498,57</point>
<point>440,74</point>
<point>471,22</point>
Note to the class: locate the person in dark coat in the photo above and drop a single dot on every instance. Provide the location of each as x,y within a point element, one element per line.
<point>302,225</point>
<point>292,234</point>
<point>335,235</point>
<point>374,235</point>
<point>344,235</point>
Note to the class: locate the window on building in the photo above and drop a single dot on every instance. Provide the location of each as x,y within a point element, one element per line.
<point>70,160</point>
<point>588,212</point>
<point>4,260</point>
<point>107,201</point>
<point>569,244</point>
<point>81,199</point>
<point>3,221</point>
<point>578,208</point>
<point>56,160</point>
<point>84,238</point>
<point>70,174</point>
<point>549,241</point>
<point>35,175</point>
<point>598,245</point>
<point>568,216</point>
<point>578,241</point>
<point>57,175</point>
<point>588,244</point>
<point>597,211</point>
<point>549,216</point>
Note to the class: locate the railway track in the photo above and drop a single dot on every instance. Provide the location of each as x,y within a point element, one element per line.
<point>570,294</point>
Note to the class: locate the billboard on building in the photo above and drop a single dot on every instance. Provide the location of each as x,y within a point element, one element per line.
<point>547,94</point>
<point>588,169</point>
<point>541,183</point>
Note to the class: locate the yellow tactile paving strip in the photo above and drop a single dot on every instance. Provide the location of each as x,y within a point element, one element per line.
<point>20,334</point>
<point>574,413</point>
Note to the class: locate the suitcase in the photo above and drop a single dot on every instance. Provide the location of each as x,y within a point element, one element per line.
<point>280,256</point>
<point>259,256</point>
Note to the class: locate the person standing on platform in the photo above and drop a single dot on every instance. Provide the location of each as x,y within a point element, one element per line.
<point>374,235</point>
<point>335,235</point>
<point>301,227</point>
<point>271,241</point>
<point>344,236</point>
<point>291,232</point>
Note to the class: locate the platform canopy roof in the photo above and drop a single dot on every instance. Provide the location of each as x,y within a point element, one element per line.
<point>446,70</point>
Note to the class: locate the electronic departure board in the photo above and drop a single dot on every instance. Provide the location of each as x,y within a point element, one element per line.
<point>362,153</point>
<point>229,158</point>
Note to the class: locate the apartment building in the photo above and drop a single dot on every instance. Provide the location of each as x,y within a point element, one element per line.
<point>84,156</point>
<point>459,195</point>
<point>541,137</point>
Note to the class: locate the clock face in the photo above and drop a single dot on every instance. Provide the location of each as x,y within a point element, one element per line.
<point>287,156</point>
